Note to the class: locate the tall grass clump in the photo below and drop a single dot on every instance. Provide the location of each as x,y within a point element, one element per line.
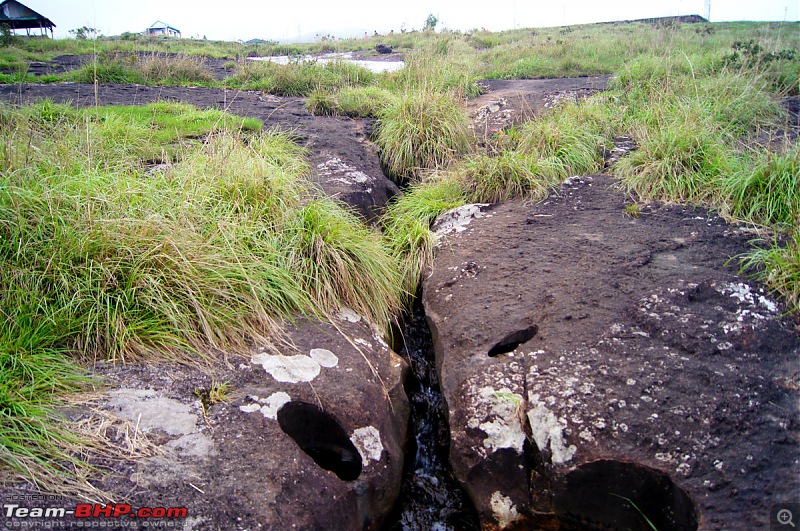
<point>108,69</point>
<point>777,265</point>
<point>339,261</point>
<point>680,161</point>
<point>407,225</point>
<point>356,102</point>
<point>684,144</point>
<point>444,64</point>
<point>179,69</point>
<point>766,190</point>
<point>508,175</point>
<point>299,78</point>
<point>570,139</point>
<point>421,130</point>
<point>100,259</point>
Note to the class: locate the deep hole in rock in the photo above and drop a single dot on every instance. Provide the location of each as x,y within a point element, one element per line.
<point>321,436</point>
<point>608,494</point>
<point>513,340</point>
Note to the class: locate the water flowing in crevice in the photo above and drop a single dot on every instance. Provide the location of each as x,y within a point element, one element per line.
<point>431,498</point>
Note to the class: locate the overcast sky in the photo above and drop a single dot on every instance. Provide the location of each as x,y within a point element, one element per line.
<point>288,20</point>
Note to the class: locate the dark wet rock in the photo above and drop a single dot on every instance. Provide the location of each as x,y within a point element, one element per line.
<point>656,377</point>
<point>344,162</point>
<point>431,498</point>
<point>367,192</point>
<point>383,48</point>
<point>310,436</point>
<point>622,146</point>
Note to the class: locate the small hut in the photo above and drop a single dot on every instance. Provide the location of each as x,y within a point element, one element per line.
<point>161,28</point>
<point>17,16</point>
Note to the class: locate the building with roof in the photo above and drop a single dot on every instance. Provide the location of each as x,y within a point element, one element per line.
<point>17,16</point>
<point>162,28</point>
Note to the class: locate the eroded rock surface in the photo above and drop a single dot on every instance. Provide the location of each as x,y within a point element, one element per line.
<point>307,436</point>
<point>649,371</point>
<point>507,102</point>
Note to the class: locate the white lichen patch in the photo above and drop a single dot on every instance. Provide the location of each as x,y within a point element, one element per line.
<point>362,342</point>
<point>337,170</point>
<point>288,369</point>
<point>269,406</point>
<point>367,441</point>
<point>502,426</point>
<point>152,411</point>
<point>744,294</point>
<point>324,357</point>
<point>503,509</point>
<point>273,404</point>
<point>348,315</point>
<point>457,219</point>
<point>548,432</point>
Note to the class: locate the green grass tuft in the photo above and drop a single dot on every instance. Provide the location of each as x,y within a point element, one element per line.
<point>777,265</point>
<point>100,258</point>
<point>300,78</point>
<point>767,190</point>
<point>508,175</point>
<point>407,226</point>
<point>421,131</point>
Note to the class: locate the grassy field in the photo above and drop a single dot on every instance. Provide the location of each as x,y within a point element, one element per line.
<point>166,231</point>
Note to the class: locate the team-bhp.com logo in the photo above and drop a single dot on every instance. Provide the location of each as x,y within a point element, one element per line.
<point>95,510</point>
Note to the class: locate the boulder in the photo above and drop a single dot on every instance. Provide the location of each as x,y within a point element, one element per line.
<point>600,369</point>
<point>308,433</point>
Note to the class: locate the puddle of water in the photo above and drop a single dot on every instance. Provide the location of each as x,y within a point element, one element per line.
<point>374,66</point>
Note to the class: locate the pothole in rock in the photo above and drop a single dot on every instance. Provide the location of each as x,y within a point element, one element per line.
<point>511,341</point>
<point>321,436</point>
<point>610,494</point>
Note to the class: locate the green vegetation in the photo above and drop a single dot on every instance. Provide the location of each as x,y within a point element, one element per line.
<point>421,130</point>
<point>153,68</point>
<point>164,230</point>
<point>766,189</point>
<point>407,226</point>
<point>694,107</point>
<point>298,78</point>
<point>778,267</point>
<point>356,102</point>
<point>101,257</point>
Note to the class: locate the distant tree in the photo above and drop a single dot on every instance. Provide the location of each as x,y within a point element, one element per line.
<point>84,32</point>
<point>430,22</point>
<point>7,37</point>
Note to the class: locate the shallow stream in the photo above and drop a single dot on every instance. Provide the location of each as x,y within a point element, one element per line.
<point>431,498</point>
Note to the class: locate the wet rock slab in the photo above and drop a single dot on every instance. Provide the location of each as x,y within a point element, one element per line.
<point>592,362</point>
